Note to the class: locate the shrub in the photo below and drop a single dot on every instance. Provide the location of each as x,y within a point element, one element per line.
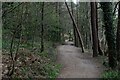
<point>110,75</point>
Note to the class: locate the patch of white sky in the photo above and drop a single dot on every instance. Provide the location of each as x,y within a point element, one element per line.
<point>74,1</point>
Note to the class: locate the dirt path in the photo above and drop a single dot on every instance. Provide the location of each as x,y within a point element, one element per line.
<point>77,64</point>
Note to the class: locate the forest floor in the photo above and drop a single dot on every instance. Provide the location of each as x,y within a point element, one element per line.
<point>77,64</point>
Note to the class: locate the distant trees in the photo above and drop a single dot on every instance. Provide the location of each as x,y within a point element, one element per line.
<point>74,30</point>
<point>31,26</point>
<point>41,23</point>
<point>83,21</point>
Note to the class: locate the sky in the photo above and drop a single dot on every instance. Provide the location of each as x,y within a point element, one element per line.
<point>75,1</point>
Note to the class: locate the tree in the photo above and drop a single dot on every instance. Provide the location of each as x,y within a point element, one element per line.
<point>77,22</point>
<point>118,38</point>
<point>42,30</point>
<point>18,28</point>
<point>83,13</point>
<point>99,48</point>
<point>75,25</point>
<point>94,29</point>
<point>26,27</point>
<point>109,32</point>
<point>74,30</point>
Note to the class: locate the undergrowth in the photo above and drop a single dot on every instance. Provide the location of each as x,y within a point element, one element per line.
<point>111,75</point>
<point>31,63</point>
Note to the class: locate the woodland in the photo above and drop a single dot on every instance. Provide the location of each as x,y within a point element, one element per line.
<point>46,40</point>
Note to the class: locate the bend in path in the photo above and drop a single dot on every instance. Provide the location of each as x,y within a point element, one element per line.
<point>77,64</point>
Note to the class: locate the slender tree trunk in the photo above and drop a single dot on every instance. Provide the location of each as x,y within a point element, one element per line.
<point>56,10</point>
<point>77,21</point>
<point>42,31</point>
<point>75,25</point>
<point>59,22</point>
<point>118,38</point>
<point>109,32</point>
<point>94,29</point>
<point>14,57</point>
<point>86,40</point>
<point>74,30</point>
<point>18,45</point>
<point>99,48</point>
<point>118,35</point>
<point>33,36</point>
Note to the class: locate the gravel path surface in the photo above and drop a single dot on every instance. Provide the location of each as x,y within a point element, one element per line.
<point>77,64</point>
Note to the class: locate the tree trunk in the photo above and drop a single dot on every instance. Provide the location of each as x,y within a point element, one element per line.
<point>109,32</point>
<point>99,48</point>
<point>59,22</point>
<point>75,25</point>
<point>77,21</point>
<point>94,29</point>
<point>118,38</point>
<point>42,30</point>
<point>74,30</point>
